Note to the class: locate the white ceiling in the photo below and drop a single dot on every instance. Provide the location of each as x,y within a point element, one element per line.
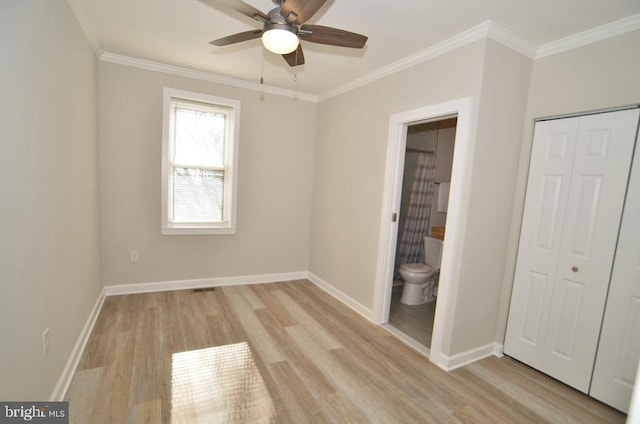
<point>177,32</point>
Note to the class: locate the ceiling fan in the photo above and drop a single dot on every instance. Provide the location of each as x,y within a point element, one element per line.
<point>283,28</point>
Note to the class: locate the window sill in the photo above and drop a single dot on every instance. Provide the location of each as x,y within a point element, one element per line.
<point>195,231</point>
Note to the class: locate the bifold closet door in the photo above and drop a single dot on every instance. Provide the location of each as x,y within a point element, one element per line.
<point>619,348</point>
<point>575,192</point>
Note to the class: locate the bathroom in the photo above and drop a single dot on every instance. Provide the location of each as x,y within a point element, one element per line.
<point>425,185</point>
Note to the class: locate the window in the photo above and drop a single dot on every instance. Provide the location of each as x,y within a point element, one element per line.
<point>199,163</point>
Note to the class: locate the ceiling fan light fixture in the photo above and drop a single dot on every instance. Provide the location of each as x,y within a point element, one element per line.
<point>280,40</point>
<point>284,26</point>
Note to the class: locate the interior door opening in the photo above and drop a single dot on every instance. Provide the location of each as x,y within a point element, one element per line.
<point>456,221</point>
<point>428,160</point>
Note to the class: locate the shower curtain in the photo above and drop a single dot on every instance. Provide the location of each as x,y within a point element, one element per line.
<point>416,223</point>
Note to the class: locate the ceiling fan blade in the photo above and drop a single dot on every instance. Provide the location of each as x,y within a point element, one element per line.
<point>299,11</point>
<point>295,58</point>
<point>240,6</point>
<point>332,36</point>
<point>237,38</point>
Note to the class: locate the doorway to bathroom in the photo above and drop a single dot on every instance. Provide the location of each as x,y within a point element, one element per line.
<point>428,159</point>
<point>456,223</point>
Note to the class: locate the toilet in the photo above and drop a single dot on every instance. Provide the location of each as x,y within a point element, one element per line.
<point>420,279</point>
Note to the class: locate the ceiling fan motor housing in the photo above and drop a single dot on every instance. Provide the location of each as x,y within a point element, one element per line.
<point>277,21</point>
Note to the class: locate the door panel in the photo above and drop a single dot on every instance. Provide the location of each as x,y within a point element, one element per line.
<point>619,349</point>
<point>570,239</point>
<point>548,211</point>
<point>533,316</point>
<point>562,344</point>
<point>594,207</point>
<point>585,223</point>
<point>545,205</point>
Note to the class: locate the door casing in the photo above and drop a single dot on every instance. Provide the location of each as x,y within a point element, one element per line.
<point>456,216</point>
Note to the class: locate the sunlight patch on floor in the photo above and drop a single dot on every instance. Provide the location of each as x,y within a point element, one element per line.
<point>219,384</point>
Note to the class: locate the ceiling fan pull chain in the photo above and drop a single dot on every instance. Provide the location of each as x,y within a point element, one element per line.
<point>262,69</point>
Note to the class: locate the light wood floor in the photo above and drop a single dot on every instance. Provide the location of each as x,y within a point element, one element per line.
<point>289,353</point>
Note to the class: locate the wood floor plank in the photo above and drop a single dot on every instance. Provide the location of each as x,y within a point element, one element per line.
<point>337,406</point>
<point>348,383</point>
<point>250,297</point>
<point>276,309</point>
<point>290,353</point>
<point>333,313</point>
<point>147,374</point>
<point>504,408</point>
<point>404,409</point>
<point>84,391</point>
<point>315,380</point>
<point>261,341</point>
<point>301,403</point>
<point>600,410</point>
<point>148,412</point>
<point>112,399</point>
<point>534,395</point>
<point>224,327</point>
<point>101,344</point>
<point>316,330</point>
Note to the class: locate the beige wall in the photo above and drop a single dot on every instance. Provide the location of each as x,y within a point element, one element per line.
<point>597,76</point>
<point>277,141</point>
<point>49,249</point>
<point>350,163</point>
<point>495,167</point>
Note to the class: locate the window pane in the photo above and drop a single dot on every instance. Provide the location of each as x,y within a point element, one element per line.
<point>199,137</point>
<point>197,195</point>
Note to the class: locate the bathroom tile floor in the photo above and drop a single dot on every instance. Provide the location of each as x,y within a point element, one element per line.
<point>415,321</point>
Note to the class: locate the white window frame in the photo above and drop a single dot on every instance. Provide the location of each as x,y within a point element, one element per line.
<point>228,224</point>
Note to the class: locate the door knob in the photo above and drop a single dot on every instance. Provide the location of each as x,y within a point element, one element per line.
<point>574,268</point>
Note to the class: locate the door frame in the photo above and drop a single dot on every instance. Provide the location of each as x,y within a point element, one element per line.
<point>455,223</point>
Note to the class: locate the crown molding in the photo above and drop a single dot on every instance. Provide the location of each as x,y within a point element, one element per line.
<point>511,40</point>
<point>487,29</point>
<point>462,39</point>
<point>613,29</point>
<point>204,76</point>
<point>83,21</point>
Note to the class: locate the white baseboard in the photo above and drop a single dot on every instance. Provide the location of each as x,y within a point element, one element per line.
<point>341,296</point>
<point>461,359</point>
<point>60,391</point>
<point>113,290</point>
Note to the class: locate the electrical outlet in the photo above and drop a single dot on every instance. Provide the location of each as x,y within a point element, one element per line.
<point>45,342</point>
<point>133,256</point>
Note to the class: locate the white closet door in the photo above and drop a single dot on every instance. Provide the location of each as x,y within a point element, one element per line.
<point>545,205</point>
<point>570,226</point>
<point>619,349</point>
